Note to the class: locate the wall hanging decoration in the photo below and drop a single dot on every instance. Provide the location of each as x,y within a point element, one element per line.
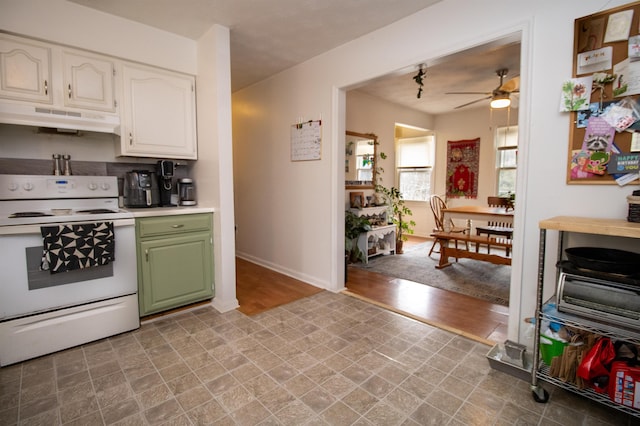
<point>603,96</point>
<point>463,159</point>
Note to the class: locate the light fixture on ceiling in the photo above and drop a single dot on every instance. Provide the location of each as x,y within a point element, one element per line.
<point>418,79</point>
<point>500,100</point>
<point>500,97</point>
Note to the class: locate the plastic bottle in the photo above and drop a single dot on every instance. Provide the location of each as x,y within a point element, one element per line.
<point>529,332</point>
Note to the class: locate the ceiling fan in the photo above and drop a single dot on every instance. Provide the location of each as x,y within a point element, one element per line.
<point>500,96</point>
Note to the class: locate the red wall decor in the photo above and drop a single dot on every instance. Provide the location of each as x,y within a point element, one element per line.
<point>463,159</point>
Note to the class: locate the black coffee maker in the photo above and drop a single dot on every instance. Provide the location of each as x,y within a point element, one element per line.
<point>164,170</point>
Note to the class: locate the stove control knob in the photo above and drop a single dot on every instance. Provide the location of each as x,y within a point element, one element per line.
<point>105,186</point>
<point>93,186</point>
<point>28,186</point>
<point>13,186</point>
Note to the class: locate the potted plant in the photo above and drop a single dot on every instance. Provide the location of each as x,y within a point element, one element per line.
<point>512,200</point>
<point>399,212</point>
<point>354,225</point>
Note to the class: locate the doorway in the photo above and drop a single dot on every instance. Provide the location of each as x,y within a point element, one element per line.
<point>401,89</point>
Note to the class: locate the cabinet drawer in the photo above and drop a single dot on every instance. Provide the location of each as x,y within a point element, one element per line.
<point>163,225</point>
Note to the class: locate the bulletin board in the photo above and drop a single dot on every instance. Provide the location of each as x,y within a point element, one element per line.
<point>606,74</point>
<point>306,141</point>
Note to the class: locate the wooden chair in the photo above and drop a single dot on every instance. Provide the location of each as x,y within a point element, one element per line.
<point>437,204</point>
<point>504,230</point>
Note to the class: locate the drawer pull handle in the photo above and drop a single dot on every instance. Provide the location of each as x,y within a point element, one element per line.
<point>177,226</point>
<point>46,88</point>
<point>69,90</point>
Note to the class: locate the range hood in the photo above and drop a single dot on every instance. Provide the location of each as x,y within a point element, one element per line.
<point>29,115</point>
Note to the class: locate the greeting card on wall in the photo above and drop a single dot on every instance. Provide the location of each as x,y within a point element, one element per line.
<point>618,26</point>
<point>595,60</point>
<point>576,93</point>
<point>306,141</point>
<point>463,161</point>
<point>599,135</point>
<point>590,34</point>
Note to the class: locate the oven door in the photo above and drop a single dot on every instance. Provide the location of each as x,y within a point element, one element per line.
<point>26,290</point>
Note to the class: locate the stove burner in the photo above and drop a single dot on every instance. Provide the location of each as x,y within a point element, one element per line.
<point>28,214</point>
<point>96,211</point>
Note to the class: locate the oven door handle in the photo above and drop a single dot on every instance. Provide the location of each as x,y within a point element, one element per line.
<point>35,228</point>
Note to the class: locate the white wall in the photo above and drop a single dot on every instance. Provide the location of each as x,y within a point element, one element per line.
<point>289,214</point>
<point>471,124</point>
<point>214,169</point>
<point>283,208</point>
<point>67,23</point>
<point>368,114</point>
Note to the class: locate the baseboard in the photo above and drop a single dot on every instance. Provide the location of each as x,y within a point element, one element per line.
<point>307,279</point>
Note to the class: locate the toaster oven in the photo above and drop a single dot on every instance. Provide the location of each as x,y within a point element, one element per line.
<point>610,301</point>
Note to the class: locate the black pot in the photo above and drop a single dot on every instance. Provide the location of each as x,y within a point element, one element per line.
<point>604,260</point>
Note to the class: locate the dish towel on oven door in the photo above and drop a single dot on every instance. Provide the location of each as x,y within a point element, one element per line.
<point>69,247</point>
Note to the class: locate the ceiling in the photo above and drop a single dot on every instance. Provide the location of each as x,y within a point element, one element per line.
<point>469,71</point>
<point>269,36</point>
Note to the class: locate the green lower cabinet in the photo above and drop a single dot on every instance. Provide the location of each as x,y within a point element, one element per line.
<point>175,261</point>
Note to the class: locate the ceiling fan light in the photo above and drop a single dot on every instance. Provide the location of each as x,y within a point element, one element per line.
<point>500,102</point>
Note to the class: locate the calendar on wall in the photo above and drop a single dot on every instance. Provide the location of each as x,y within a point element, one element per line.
<point>306,141</point>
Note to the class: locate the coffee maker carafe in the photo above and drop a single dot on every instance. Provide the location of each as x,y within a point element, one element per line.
<point>165,170</point>
<point>187,192</point>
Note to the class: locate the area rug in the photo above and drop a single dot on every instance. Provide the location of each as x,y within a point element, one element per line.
<point>482,280</point>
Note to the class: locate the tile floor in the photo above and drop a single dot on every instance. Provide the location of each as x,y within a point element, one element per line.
<point>328,359</point>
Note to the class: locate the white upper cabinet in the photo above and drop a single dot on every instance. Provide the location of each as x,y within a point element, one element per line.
<point>41,73</point>
<point>49,85</point>
<point>158,113</point>
<point>25,70</point>
<point>88,81</point>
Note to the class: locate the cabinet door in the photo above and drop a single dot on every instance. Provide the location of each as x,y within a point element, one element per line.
<point>175,271</point>
<point>159,113</point>
<point>25,70</point>
<point>88,81</point>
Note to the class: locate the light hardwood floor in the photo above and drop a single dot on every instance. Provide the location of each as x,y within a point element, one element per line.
<point>259,289</point>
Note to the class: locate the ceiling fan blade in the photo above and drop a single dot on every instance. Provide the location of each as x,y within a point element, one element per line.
<point>511,85</point>
<point>472,102</point>
<point>468,93</point>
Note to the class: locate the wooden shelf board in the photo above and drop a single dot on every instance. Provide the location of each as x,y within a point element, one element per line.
<point>588,225</point>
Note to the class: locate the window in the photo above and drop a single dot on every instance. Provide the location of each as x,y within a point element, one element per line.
<point>414,164</point>
<point>507,156</point>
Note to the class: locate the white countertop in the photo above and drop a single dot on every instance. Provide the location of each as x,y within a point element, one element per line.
<point>168,211</point>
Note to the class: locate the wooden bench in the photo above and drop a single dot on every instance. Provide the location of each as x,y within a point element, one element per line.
<point>446,252</point>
